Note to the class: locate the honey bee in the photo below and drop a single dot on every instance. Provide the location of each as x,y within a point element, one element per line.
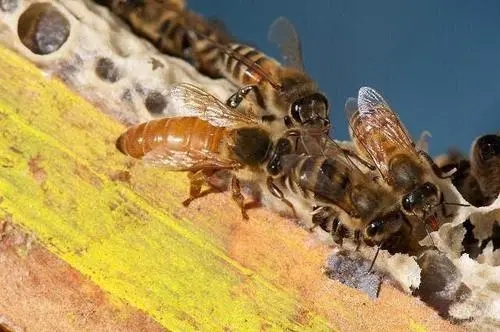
<point>485,164</point>
<point>211,137</point>
<point>169,26</point>
<point>476,178</point>
<point>343,200</point>
<point>379,136</point>
<point>463,179</point>
<point>284,92</point>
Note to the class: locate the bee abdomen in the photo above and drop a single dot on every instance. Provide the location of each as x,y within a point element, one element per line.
<point>240,73</point>
<point>302,177</point>
<point>185,134</point>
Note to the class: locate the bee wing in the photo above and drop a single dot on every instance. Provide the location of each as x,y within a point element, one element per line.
<point>372,104</point>
<point>282,33</point>
<point>289,161</point>
<point>223,33</point>
<point>310,145</point>
<point>186,161</point>
<point>186,99</point>
<point>423,142</point>
<point>332,148</point>
<point>377,129</point>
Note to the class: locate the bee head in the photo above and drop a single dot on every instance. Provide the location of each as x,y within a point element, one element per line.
<point>380,229</point>
<point>422,200</point>
<point>486,148</point>
<point>310,111</point>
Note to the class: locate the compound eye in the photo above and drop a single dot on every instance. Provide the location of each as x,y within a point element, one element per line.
<point>374,228</point>
<point>429,188</point>
<point>407,202</point>
<point>312,110</point>
<point>297,111</point>
<point>321,104</point>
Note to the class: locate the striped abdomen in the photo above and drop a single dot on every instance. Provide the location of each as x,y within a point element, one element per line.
<point>241,65</point>
<point>324,179</point>
<point>175,31</point>
<point>183,134</point>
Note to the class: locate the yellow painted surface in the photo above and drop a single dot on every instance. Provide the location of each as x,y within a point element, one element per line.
<point>200,268</point>
<point>416,327</point>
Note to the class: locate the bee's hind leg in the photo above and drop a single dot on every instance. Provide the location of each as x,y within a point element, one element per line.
<point>238,196</point>
<point>197,180</point>
<point>357,239</point>
<point>276,192</point>
<point>326,218</point>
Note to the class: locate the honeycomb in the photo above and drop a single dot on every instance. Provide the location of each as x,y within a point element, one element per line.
<point>98,57</point>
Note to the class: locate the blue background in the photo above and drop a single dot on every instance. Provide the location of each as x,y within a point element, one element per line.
<point>436,62</point>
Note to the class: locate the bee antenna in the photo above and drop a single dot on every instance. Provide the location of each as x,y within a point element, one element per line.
<point>375,258</point>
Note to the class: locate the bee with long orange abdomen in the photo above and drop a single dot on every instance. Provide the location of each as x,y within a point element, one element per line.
<point>209,138</point>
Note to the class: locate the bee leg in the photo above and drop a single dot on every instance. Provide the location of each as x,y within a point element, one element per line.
<point>317,217</point>
<point>235,100</point>
<point>357,239</point>
<point>197,179</point>
<point>435,167</point>
<point>321,217</point>
<point>238,197</point>
<point>337,232</point>
<point>276,192</point>
<point>375,258</point>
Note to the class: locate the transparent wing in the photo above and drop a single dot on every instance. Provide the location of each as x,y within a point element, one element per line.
<point>351,114</point>
<point>186,161</point>
<point>310,145</point>
<point>348,156</point>
<point>376,129</point>
<point>283,34</point>
<point>423,142</point>
<point>351,107</point>
<point>186,99</point>
<point>372,104</point>
<point>289,161</point>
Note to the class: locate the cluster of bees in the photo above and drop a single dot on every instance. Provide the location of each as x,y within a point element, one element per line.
<point>273,132</point>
